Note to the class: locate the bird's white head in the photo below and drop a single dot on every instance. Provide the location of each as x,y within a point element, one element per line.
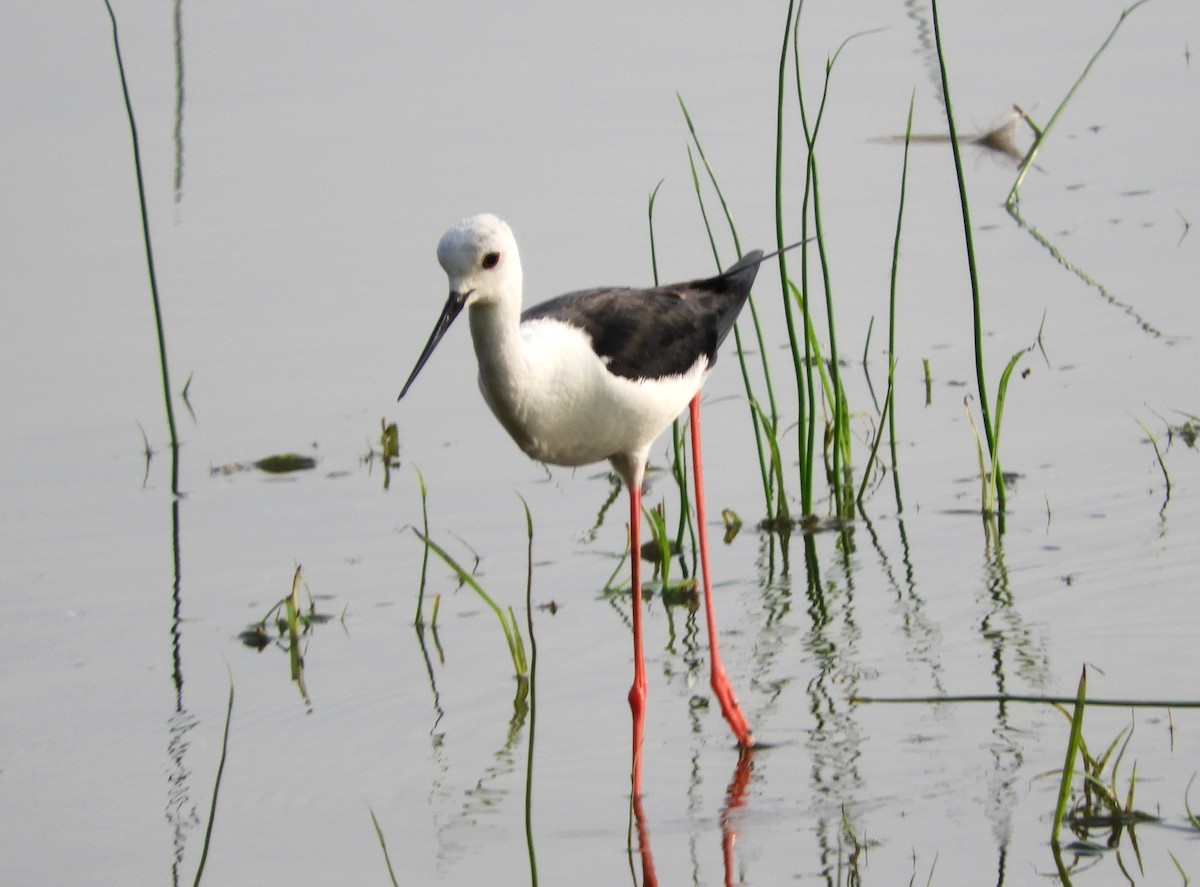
<point>480,257</point>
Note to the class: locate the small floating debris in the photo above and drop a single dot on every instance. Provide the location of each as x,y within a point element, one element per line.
<point>733,524</point>
<point>285,462</point>
<point>281,463</point>
<point>1000,140</point>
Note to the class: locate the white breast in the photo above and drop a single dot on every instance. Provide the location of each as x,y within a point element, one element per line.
<point>562,406</point>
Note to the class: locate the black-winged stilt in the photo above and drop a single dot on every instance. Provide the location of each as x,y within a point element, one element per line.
<point>593,375</point>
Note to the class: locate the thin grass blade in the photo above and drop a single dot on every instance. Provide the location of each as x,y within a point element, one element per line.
<point>1073,743</point>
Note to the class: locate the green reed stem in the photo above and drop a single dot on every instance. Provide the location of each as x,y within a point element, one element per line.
<point>1073,743</point>
<point>158,321</point>
<point>1011,204</point>
<point>986,490</point>
<point>678,462</point>
<point>737,336</point>
<point>1159,456</point>
<point>657,523</point>
<point>782,517</point>
<point>840,479</point>
<point>866,361</point>
<point>383,846</point>
<point>680,472</point>
<point>419,618</point>
<point>1187,805</point>
<point>750,301</point>
<point>533,874</point>
<point>883,418</point>
<point>813,348</point>
<point>801,366</point>
<point>997,478</point>
<point>614,576</point>
<point>970,246</point>
<point>650,222</point>
<point>292,606</point>
<point>891,418</point>
<point>1041,134</point>
<point>758,334</point>
<point>806,398</point>
<point>212,810</point>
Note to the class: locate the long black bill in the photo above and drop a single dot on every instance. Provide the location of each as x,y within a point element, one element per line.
<point>454,307</point>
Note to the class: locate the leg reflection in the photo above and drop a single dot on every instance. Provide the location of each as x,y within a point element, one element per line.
<point>649,878</point>
<point>735,797</point>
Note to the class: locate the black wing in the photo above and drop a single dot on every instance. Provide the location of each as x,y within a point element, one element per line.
<point>651,333</point>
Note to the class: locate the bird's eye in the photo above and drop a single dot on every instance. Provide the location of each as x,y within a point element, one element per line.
<point>491,260</point>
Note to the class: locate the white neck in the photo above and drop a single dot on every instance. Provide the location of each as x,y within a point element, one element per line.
<point>496,334</point>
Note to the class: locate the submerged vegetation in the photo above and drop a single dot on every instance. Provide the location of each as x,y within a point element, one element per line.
<point>293,623</point>
<point>1098,807</point>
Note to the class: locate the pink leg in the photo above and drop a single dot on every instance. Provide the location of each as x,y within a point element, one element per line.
<point>720,682</point>
<point>637,693</point>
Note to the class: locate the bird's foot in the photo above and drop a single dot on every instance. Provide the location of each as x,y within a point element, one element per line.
<point>723,690</point>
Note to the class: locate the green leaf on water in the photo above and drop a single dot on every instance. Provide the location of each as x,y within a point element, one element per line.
<point>285,462</point>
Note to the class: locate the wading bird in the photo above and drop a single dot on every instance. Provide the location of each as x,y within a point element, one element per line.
<point>594,375</point>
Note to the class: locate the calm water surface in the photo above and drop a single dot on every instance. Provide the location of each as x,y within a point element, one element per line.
<point>301,162</point>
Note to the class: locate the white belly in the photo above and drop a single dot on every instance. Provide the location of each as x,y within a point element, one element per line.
<point>562,406</point>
